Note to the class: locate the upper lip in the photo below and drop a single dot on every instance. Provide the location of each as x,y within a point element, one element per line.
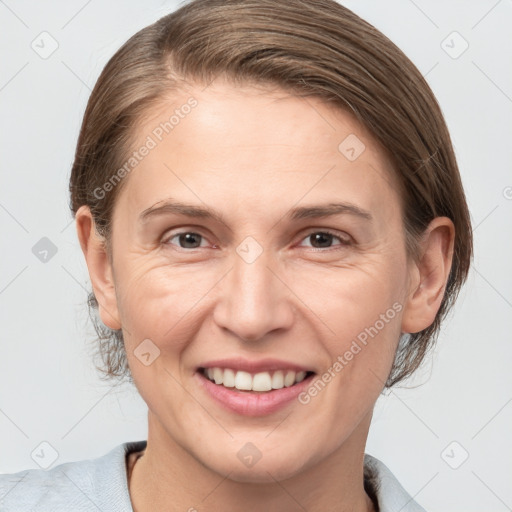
<point>255,366</point>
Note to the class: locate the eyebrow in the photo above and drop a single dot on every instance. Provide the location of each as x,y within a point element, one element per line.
<point>302,212</point>
<point>171,206</point>
<point>312,212</point>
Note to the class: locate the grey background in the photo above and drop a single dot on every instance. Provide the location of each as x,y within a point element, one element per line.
<point>49,391</point>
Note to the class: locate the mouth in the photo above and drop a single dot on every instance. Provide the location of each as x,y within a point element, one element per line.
<point>260,382</point>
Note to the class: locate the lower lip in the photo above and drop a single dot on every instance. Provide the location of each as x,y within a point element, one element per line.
<point>252,403</point>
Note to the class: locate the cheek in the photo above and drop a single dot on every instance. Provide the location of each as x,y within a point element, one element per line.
<point>160,316</point>
<point>361,309</point>
<point>352,298</point>
<point>161,303</point>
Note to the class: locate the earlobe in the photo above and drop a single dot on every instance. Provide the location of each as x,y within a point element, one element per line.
<point>429,276</point>
<point>99,266</point>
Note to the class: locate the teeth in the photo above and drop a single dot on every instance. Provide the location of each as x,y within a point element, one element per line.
<point>300,376</point>
<point>278,380</point>
<point>289,379</point>
<point>228,379</point>
<point>263,381</point>
<point>218,375</point>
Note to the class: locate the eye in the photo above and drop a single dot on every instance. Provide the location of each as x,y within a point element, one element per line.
<point>186,240</point>
<point>318,240</point>
<point>324,239</point>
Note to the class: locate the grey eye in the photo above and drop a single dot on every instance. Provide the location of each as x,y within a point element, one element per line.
<point>188,240</point>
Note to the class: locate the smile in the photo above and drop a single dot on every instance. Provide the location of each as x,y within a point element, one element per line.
<point>259,382</point>
<point>252,394</point>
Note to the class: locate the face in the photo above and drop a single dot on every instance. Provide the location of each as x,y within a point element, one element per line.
<point>260,228</point>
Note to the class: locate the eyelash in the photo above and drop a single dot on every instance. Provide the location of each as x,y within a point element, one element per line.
<point>343,241</point>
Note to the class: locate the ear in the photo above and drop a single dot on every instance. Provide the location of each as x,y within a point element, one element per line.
<point>429,275</point>
<point>99,265</point>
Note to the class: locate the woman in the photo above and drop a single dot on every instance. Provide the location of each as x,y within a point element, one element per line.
<point>274,224</point>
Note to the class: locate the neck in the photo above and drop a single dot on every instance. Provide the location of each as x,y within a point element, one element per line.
<point>168,477</point>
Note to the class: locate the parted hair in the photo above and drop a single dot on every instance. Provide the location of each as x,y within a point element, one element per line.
<point>315,48</point>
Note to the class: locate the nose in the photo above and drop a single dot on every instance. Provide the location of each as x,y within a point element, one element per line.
<point>253,300</point>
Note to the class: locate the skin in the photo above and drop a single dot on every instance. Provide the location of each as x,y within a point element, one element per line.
<point>252,154</point>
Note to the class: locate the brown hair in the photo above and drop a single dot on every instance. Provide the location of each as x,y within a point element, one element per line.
<point>307,47</point>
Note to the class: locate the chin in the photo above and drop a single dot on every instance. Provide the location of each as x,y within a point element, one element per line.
<point>261,475</point>
<point>266,470</point>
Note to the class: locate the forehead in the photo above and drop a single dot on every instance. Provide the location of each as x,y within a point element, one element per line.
<point>254,145</point>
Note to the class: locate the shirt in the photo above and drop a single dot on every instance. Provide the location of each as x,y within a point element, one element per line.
<point>101,484</point>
